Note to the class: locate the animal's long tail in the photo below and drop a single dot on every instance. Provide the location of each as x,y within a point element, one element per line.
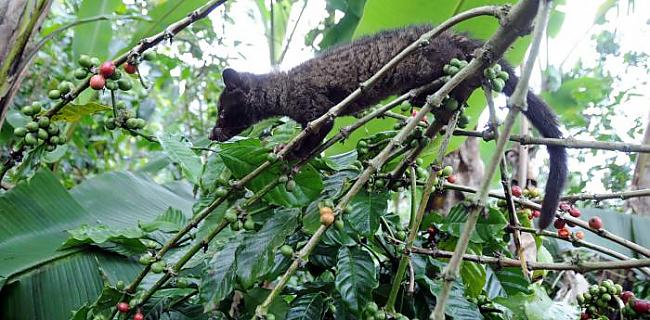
<point>543,118</point>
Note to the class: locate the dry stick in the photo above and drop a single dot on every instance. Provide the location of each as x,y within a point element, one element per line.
<point>416,220</point>
<point>535,206</point>
<point>517,21</point>
<point>513,220</point>
<point>378,161</point>
<point>563,142</point>
<point>582,243</point>
<point>578,266</point>
<point>604,196</point>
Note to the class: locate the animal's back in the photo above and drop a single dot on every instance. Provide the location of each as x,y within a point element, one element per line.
<point>339,71</point>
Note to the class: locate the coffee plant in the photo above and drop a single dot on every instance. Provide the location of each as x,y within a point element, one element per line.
<point>115,205</point>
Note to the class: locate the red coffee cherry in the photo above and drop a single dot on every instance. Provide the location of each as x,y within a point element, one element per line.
<point>97,82</point>
<point>107,69</point>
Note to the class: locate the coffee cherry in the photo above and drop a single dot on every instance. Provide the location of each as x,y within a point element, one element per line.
<point>182,283</point>
<point>575,212</point>
<point>124,84</point>
<point>220,192</point>
<point>53,130</point>
<point>43,122</point>
<point>117,74</point>
<point>95,61</point>
<point>84,61</point>
<point>286,251</point>
<point>97,82</point>
<point>595,223</point>
<point>626,296</point>
<point>327,219</point>
<point>447,170</point>
<point>42,134</point>
<point>451,104</point>
<point>138,316</point>
<point>32,126</point>
<point>54,94</point>
<point>641,306</point>
<point>236,226</point>
<point>563,233</point>
<point>20,132</point>
<point>36,107</point>
<point>489,73</point>
<point>230,215</point>
<point>564,206</point>
<point>271,156</point>
<point>27,110</point>
<point>62,140</point>
<point>580,235</point>
<point>107,69</point>
<point>132,123</point>
<point>64,87</point>
<point>380,315</point>
<point>120,285</point>
<point>111,85</point>
<point>536,213</point>
<point>400,235</point>
<point>451,179</point>
<point>249,224</point>
<point>80,73</point>
<point>130,68</point>
<point>497,84</point>
<point>30,139</point>
<point>50,147</point>
<point>516,191</point>
<point>503,75</point>
<point>146,259</point>
<point>110,124</point>
<point>158,266</point>
<point>123,307</point>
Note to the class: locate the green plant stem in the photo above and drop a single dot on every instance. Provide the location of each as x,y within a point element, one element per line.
<point>520,17</point>
<point>404,260</point>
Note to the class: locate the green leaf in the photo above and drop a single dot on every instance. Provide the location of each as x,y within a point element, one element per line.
<point>243,156</point>
<point>538,306</point>
<point>356,277</point>
<point>307,307</point>
<point>365,210</point>
<point>512,280</point>
<point>219,277</point>
<point>74,112</point>
<point>180,152</point>
<point>457,306</point>
<point>171,220</point>
<point>256,253</point>
<point>474,275</point>
<point>102,234</point>
<point>94,38</point>
<point>486,230</point>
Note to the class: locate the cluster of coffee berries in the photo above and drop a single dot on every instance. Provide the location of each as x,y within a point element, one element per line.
<point>124,308</point>
<point>61,90</point>
<point>289,183</point>
<point>39,130</point>
<point>372,311</point>
<point>497,77</point>
<point>157,266</point>
<point>607,298</point>
<point>450,104</point>
<point>453,67</point>
<point>238,220</point>
<point>447,173</point>
<point>125,118</point>
<point>109,77</point>
<point>570,209</point>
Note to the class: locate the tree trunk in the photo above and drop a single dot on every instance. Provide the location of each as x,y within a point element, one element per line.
<point>641,178</point>
<point>19,22</point>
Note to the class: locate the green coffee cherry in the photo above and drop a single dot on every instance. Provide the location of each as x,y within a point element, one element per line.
<point>54,140</point>
<point>112,85</point>
<point>158,266</point>
<point>80,73</point>
<point>124,84</point>
<point>26,110</point>
<point>85,61</point>
<point>339,224</point>
<point>230,215</point>
<point>94,61</point>
<point>489,73</point>
<point>451,104</point>
<point>20,132</point>
<point>503,75</point>
<point>146,259</point>
<point>54,94</point>
<point>149,55</point>
<point>30,139</point>
<point>497,84</point>
<point>32,126</point>
<point>447,171</point>
<point>120,285</point>
<point>236,226</point>
<point>249,224</point>
<point>110,124</point>
<point>290,185</point>
<point>117,74</point>
<point>455,62</point>
<point>64,87</point>
<point>132,123</point>
<point>220,192</point>
<point>43,122</point>
<point>286,250</point>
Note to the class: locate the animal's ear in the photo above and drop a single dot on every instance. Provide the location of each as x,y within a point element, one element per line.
<point>231,78</point>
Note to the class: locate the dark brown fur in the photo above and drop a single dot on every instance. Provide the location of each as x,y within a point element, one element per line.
<point>309,90</point>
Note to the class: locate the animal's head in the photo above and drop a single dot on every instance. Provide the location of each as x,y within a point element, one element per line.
<point>233,112</point>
